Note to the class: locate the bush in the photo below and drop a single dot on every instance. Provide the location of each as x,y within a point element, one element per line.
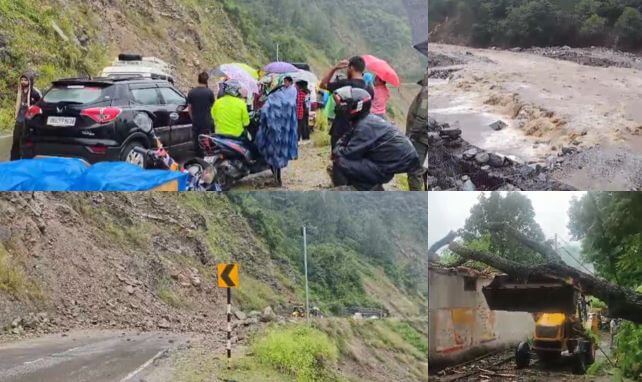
<point>629,350</point>
<point>300,351</point>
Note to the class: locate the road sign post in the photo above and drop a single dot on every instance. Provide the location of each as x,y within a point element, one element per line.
<point>228,278</point>
<point>305,265</point>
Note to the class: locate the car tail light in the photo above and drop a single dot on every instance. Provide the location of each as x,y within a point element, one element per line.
<point>98,149</point>
<point>33,111</point>
<point>102,114</point>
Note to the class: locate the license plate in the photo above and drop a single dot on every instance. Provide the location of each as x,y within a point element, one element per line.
<point>61,121</point>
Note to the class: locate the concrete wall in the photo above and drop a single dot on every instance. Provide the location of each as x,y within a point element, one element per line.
<point>462,325</point>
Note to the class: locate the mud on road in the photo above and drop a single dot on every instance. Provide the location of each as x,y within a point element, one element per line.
<point>551,99</point>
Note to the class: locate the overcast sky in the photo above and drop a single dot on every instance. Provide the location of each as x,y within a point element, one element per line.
<point>449,210</point>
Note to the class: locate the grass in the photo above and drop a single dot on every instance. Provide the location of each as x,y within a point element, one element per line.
<point>13,280</point>
<point>253,294</point>
<point>167,295</point>
<point>305,353</point>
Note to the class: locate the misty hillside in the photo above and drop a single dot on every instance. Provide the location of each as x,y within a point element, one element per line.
<point>58,38</point>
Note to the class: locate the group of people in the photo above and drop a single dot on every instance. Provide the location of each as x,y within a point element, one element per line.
<point>367,150</point>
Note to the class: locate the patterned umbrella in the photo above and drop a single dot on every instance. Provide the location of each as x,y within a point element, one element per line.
<point>279,67</point>
<point>247,68</point>
<point>237,73</point>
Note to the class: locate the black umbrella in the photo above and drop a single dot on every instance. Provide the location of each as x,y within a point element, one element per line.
<point>422,47</point>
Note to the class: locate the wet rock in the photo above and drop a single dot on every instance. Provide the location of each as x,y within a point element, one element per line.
<point>240,315</point>
<point>164,324</point>
<point>496,160</point>
<point>468,186</point>
<point>482,158</point>
<point>450,133</point>
<point>254,313</point>
<point>470,153</point>
<point>268,315</point>
<point>498,125</point>
<point>129,289</point>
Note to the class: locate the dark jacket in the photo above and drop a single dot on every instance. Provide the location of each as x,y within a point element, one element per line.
<point>24,101</point>
<point>373,151</point>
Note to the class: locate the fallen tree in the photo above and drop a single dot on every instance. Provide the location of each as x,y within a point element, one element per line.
<point>622,302</point>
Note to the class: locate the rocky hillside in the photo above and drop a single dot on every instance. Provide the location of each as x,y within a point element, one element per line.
<point>59,38</point>
<point>147,261</point>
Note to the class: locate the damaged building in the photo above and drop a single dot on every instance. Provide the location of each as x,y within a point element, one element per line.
<point>461,324</point>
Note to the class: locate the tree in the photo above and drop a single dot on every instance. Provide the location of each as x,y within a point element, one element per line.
<point>610,228</point>
<point>629,27</point>
<point>622,302</point>
<point>593,29</point>
<point>514,209</point>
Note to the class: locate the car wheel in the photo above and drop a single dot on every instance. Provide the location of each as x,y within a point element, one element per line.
<point>129,155</point>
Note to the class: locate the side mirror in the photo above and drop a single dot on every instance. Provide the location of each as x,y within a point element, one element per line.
<point>181,108</point>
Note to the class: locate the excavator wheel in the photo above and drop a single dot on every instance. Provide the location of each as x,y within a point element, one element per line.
<point>523,355</point>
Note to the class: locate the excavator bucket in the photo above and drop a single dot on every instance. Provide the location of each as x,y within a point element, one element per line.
<point>535,295</point>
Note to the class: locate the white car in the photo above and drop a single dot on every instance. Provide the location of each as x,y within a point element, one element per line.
<point>133,65</point>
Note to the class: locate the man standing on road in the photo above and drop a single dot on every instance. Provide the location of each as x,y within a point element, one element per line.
<point>417,131</point>
<point>199,105</point>
<point>355,67</point>
<point>26,97</point>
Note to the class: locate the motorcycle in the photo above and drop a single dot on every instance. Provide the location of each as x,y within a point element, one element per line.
<point>201,180</point>
<point>232,159</point>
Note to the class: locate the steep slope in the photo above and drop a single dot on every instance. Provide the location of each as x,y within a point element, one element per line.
<point>57,38</point>
<point>148,260</point>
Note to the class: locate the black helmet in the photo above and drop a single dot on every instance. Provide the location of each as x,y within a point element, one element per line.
<point>353,102</point>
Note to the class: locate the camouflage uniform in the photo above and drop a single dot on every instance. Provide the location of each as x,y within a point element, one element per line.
<point>417,131</point>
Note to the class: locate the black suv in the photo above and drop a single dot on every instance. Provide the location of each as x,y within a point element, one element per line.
<point>105,119</point>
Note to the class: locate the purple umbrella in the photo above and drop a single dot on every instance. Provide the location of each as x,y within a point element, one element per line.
<point>279,67</point>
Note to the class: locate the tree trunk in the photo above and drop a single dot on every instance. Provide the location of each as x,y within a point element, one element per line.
<point>622,302</point>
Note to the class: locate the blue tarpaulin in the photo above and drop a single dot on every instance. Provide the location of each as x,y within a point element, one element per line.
<point>70,174</point>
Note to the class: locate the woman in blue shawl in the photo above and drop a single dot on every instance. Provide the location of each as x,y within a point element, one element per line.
<point>277,139</point>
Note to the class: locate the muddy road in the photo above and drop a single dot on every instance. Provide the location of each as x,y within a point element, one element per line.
<point>550,100</point>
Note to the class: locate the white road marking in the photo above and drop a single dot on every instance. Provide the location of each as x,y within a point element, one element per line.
<point>142,367</point>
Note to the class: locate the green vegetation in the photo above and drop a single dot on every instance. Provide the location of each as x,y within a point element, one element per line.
<point>526,23</point>
<point>319,29</point>
<point>167,295</point>
<point>350,237</point>
<point>13,280</point>
<point>300,351</point>
<point>28,40</point>
<point>516,210</point>
<point>608,225</point>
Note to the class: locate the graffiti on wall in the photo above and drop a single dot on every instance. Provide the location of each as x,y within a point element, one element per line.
<point>460,329</point>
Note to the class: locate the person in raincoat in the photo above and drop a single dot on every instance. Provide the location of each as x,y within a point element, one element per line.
<point>277,138</point>
<point>373,150</point>
<point>27,95</point>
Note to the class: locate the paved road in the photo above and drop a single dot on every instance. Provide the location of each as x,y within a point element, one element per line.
<point>85,356</point>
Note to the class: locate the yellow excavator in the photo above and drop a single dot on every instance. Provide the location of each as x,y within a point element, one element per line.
<point>562,324</point>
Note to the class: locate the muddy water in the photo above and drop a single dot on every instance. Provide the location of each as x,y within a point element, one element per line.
<point>464,112</point>
<point>5,147</point>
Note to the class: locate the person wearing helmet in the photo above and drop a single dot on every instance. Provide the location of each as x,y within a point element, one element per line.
<point>373,150</point>
<point>230,112</point>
